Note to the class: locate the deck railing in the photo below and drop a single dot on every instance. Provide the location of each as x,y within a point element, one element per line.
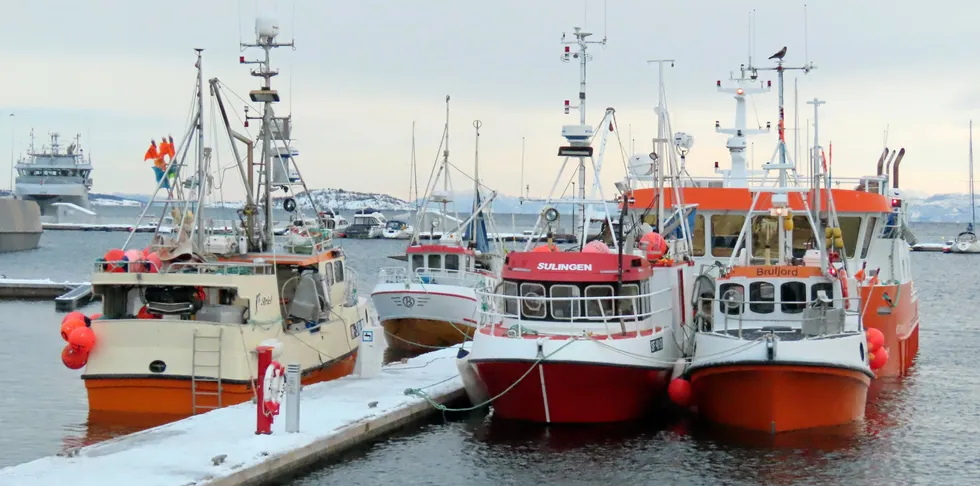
<point>812,319</point>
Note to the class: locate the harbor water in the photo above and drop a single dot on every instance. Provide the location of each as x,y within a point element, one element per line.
<point>918,430</point>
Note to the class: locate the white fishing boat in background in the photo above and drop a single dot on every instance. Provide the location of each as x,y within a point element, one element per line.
<point>966,242</point>
<point>431,303</point>
<point>368,224</point>
<point>58,180</point>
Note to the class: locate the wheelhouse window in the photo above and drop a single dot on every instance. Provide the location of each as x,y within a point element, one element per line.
<point>629,303</point>
<point>338,271</point>
<point>802,236</point>
<point>732,299</point>
<point>435,261</point>
<point>793,297</point>
<point>724,233</point>
<point>532,302</point>
<point>452,262</point>
<point>825,287</point>
<point>565,309</point>
<point>761,297</point>
<point>765,237</point>
<point>869,232</point>
<point>598,307</point>
<point>418,261</point>
<point>510,298</point>
<point>697,236</point>
<point>849,227</point>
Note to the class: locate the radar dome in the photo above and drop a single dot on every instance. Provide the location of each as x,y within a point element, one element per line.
<point>266,26</point>
<point>642,165</point>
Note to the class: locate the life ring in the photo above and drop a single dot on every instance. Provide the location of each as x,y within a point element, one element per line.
<point>533,304</point>
<point>273,388</point>
<point>289,204</point>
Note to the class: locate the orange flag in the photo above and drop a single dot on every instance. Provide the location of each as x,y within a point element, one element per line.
<point>151,153</point>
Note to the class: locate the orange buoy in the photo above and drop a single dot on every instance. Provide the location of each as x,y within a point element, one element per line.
<point>146,252</point>
<point>545,248</point>
<point>654,245</point>
<point>876,339</point>
<point>878,359</point>
<point>153,263</point>
<point>76,315</point>
<point>680,392</point>
<point>82,339</point>
<point>70,325</point>
<point>95,316</point>
<point>144,313</point>
<point>596,246</point>
<point>135,260</point>
<point>73,359</point>
<point>114,259</point>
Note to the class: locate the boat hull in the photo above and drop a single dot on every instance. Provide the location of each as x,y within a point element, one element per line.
<point>898,321</point>
<point>419,320</point>
<point>570,392</point>
<point>780,397</point>
<point>171,395</point>
<point>20,225</point>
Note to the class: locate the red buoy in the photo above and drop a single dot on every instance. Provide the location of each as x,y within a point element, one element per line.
<point>76,315</point>
<point>82,339</point>
<point>114,260</point>
<point>876,339</point>
<point>878,359</point>
<point>69,325</point>
<point>153,262</point>
<point>680,392</point>
<point>73,359</point>
<point>654,245</point>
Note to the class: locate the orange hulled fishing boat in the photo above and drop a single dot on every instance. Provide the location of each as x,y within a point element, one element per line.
<point>831,265</point>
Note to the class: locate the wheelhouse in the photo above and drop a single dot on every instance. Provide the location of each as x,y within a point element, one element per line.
<point>425,258</point>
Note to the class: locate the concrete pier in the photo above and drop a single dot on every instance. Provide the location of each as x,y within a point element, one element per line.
<point>33,289</point>
<point>221,448</point>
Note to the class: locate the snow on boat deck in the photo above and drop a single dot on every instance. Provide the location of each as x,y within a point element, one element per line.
<point>334,415</point>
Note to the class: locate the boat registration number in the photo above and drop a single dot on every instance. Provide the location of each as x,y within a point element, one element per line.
<point>656,344</point>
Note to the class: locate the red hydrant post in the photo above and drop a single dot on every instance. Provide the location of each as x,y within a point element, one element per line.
<point>263,421</point>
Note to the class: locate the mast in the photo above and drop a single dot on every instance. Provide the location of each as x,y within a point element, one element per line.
<point>445,172</point>
<point>200,177</point>
<point>660,144</point>
<point>266,31</point>
<point>585,134</point>
<point>414,182</point>
<point>816,167</point>
<point>476,181</point>
<point>745,85</point>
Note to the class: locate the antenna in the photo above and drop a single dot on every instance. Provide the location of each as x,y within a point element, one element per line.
<point>806,37</point>
<point>583,58</point>
<point>520,189</point>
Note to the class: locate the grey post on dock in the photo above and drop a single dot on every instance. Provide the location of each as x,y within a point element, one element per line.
<point>293,386</point>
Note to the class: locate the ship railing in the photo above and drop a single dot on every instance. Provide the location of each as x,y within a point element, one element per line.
<point>431,276</point>
<point>538,315</point>
<point>217,268</point>
<point>811,320</point>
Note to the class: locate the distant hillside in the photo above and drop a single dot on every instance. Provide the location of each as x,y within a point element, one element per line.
<point>339,199</point>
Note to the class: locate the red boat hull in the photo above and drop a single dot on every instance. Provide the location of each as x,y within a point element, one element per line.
<point>571,392</point>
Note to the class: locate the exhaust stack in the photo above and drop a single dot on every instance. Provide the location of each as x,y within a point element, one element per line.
<point>898,160</point>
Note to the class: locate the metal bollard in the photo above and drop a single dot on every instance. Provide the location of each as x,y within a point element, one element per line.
<point>293,385</point>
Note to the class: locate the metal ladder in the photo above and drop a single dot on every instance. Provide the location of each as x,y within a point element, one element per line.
<point>212,368</point>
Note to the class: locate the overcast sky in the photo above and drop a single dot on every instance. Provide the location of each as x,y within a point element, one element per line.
<point>121,73</point>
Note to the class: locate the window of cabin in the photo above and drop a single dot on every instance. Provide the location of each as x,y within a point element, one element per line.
<point>824,286</point>
<point>629,303</point>
<point>765,237</point>
<point>532,302</point>
<point>452,262</point>
<point>869,232</point>
<point>732,299</point>
<point>328,274</point>
<point>338,271</point>
<point>510,299</point>
<point>849,228</point>
<point>645,309</point>
<point>435,261</point>
<point>793,297</point>
<point>724,233</point>
<point>418,261</point>
<point>595,307</point>
<point>802,236</point>
<point>565,309</point>
<point>697,236</point>
<point>761,297</point>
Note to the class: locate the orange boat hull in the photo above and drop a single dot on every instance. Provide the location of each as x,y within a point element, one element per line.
<point>780,398</point>
<point>898,321</point>
<point>424,335</point>
<point>171,396</point>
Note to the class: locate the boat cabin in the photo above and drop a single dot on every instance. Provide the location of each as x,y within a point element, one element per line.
<point>449,258</point>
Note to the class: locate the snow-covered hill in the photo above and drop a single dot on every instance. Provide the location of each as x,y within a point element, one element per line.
<point>940,208</point>
<point>339,199</point>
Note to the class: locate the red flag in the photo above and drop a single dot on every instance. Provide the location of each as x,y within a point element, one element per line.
<point>151,153</point>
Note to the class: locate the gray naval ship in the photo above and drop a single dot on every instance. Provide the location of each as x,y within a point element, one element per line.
<point>57,180</point>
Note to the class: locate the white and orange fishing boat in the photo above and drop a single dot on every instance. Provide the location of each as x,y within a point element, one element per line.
<point>793,354</point>
<point>431,304</point>
<point>589,334</point>
<point>182,318</point>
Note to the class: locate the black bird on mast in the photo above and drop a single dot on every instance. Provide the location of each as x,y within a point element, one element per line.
<point>779,55</point>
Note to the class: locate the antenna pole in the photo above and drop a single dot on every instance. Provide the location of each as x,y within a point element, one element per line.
<point>818,173</point>
<point>521,188</point>
<point>476,180</point>
<point>200,151</point>
<point>661,147</point>
<point>973,204</point>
